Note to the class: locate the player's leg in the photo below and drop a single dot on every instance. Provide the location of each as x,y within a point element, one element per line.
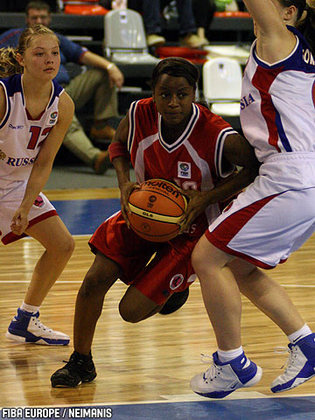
<point>250,242</point>
<point>272,299</point>
<point>231,369</point>
<point>168,274</point>
<point>135,306</point>
<point>58,243</point>
<point>89,303</point>
<point>109,243</point>
<point>268,295</point>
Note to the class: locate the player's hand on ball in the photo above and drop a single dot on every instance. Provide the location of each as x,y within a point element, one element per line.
<point>155,210</point>
<point>198,201</point>
<point>125,191</point>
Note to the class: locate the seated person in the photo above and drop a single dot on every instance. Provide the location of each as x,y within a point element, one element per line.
<point>151,14</point>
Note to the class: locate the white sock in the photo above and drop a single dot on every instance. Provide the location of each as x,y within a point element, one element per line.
<point>301,333</point>
<point>29,308</point>
<point>227,356</point>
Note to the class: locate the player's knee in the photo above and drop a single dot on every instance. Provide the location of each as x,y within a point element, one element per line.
<point>129,312</point>
<point>69,245</point>
<point>65,247</point>
<point>94,285</point>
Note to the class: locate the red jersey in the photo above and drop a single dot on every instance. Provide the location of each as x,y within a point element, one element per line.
<point>193,161</point>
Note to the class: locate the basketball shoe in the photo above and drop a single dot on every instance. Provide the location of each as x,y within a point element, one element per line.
<point>175,302</point>
<point>25,327</point>
<point>79,369</point>
<point>300,367</point>
<point>221,379</point>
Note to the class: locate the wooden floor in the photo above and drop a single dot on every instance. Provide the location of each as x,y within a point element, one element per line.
<point>153,360</point>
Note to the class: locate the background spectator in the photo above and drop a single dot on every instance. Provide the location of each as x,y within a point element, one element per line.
<point>151,14</point>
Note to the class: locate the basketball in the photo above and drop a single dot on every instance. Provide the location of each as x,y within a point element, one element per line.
<point>156,208</point>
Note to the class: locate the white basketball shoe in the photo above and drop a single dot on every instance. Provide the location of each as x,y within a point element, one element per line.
<point>25,327</point>
<point>300,367</point>
<point>221,379</point>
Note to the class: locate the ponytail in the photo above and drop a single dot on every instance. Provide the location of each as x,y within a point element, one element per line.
<point>306,25</point>
<point>8,62</point>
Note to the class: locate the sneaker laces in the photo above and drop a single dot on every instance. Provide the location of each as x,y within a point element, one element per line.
<point>40,325</point>
<point>206,358</point>
<point>213,371</point>
<point>76,362</point>
<point>290,367</point>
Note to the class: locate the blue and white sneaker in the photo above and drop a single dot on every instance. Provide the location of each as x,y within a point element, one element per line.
<point>300,367</point>
<point>25,327</point>
<point>221,379</point>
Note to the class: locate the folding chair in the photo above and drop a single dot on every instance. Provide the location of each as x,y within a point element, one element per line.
<point>222,81</point>
<point>124,38</point>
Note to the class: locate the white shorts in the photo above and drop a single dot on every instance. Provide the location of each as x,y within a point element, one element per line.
<point>265,228</point>
<point>10,199</point>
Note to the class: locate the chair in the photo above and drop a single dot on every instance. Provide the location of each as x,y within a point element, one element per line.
<point>222,81</point>
<point>125,40</point>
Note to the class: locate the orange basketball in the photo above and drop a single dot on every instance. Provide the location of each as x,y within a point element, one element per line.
<point>156,209</point>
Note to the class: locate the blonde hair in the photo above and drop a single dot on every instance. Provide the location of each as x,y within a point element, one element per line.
<point>8,62</point>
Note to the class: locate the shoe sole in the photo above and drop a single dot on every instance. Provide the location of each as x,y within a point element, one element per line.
<point>19,339</point>
<point>293,386</point>
<point>73,385</point>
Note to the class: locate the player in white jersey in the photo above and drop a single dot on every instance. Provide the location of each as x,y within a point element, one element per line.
<point>267,221</point>
<point>35,114</point>
<point>171,137</point>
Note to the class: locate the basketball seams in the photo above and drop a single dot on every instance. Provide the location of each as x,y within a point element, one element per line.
<point>166,236</point>
<point>164,195</point>
<point>155,214</point>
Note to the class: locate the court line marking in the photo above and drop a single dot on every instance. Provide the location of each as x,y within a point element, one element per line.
<point>179,399</point>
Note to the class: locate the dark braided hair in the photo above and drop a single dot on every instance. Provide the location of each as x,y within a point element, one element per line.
<point>178,67</point>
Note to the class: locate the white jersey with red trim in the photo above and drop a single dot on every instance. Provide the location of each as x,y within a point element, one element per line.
<point>20,136</point>
<point>278,102</point>
<point>193,161</point>
<point>274,216</point>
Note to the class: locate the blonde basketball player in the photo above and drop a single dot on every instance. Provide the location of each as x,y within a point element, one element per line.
<point>35,113</point>
<point>267,222</point>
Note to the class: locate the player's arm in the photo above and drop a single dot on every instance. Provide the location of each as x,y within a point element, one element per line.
<point>274,41</point>
<point>43,164</point>
<point>236,152</point>
<point>120,159</point>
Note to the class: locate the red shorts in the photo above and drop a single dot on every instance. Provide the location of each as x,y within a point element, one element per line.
<point>169,271</point>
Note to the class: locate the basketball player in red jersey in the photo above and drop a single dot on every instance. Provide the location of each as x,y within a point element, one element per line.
<point>35,113</point>
<point>167,136</point>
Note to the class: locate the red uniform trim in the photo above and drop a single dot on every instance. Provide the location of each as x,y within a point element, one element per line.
<point>12,237</point>
<point>228,228</point>
<point>262,80</point>
<point>230,251</point>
